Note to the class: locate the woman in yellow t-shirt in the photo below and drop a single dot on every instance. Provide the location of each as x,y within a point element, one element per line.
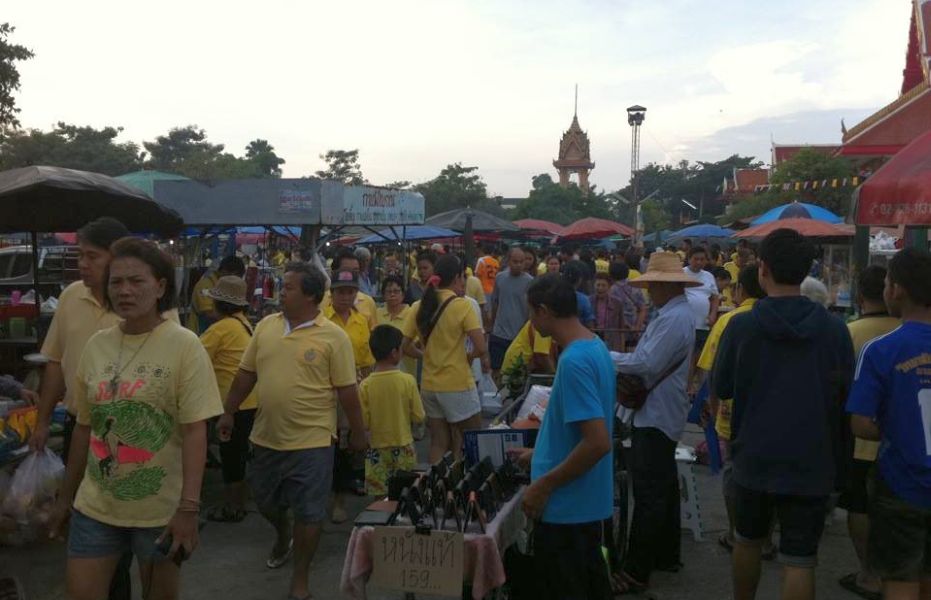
<point>144,390</point>
<point>394,312</point>
<point>225,342</point>
<point>436,329</point>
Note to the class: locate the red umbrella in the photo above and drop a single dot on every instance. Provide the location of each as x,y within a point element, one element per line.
<point>807,227</point>
<point>592,228</point>
<point>540,225</point>
<point>899,193</point>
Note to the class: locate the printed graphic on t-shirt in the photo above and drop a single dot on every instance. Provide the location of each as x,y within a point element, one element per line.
<point>919,364</point>
<point>126,433</point>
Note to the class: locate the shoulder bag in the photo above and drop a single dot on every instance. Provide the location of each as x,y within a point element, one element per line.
<point>632,391</point>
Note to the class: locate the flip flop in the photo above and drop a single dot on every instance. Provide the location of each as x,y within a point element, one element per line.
<point>849,583</point>
<point>623,584</point>
<point>725,542</point>
<point>275,562</point>
<point>226,514</point>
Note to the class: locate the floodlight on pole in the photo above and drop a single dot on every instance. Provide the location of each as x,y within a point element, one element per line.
<point>635,117</point>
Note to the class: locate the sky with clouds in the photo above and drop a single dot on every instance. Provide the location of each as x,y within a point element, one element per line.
<point>415,85</point>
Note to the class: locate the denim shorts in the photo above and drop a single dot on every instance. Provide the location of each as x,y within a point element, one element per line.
<point>295,479</point>
<point>90,538</point>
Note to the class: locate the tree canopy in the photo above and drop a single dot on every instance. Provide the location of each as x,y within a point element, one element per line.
<point>342,165</point>
<point>457,187</point>
<point>551,202</point>
<point>72,147</point>
<point>10,54</point>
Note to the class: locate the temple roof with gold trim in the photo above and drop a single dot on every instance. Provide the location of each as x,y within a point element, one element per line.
<point>574,148</point>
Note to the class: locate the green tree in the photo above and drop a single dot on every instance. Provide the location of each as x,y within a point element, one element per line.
<point>551,202</point>
<point>10,54</point>
<point>457,187</point>
<point>342,165</point>
<point>402,184</point>
<point>182,144</point>
<point>72,147</point>
<point>262,154</point>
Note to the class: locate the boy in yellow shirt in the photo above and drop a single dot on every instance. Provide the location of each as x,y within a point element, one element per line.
<point>390,403</point>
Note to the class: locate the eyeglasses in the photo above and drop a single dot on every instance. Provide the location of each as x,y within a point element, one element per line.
<point>392,291</point>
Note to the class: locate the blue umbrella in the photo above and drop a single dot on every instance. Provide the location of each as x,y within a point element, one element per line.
<point>412,232</point>
<point>702,230</point>
<point>796,210</point>
<point>657,236</point>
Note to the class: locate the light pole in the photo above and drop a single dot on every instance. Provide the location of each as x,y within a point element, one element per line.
<point>635,116</point>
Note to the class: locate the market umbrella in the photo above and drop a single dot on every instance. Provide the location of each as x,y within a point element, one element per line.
<point>469,221</point>
<point>657,237</point>
<point>797,210</point>
<point>702,231</point>
<point>411,232</point>
<point>806,227</point>
<point>539,225</point>
<point>899,193</point>
<point>55,199</point>
<point>593,228</point>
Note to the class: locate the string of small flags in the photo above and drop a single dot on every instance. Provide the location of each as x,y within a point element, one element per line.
<point>798,186</point>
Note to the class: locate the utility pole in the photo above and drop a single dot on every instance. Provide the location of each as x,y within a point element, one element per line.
<point>635,116</point>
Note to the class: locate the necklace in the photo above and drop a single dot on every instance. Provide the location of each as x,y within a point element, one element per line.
<point>115,381</point>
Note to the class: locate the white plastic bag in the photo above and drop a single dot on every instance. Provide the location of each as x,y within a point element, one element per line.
<point>489,396</point>
<point>32,491</point>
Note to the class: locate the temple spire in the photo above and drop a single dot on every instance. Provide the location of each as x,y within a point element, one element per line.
<point>575,112</point>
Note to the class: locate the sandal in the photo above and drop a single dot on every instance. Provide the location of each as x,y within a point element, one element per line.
<point>275,562</point>
<point>226,514</point>
<point>725,542</point>
<point>849,583</point>
<point>622,584</point>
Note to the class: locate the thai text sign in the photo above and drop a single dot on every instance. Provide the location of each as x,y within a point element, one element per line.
<point>363,205</point>
<point>407,561</point>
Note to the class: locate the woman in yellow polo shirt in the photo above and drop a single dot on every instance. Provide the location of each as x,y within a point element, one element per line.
<point>225,341</point>
<point>394,312</point>
<point>435,329</point>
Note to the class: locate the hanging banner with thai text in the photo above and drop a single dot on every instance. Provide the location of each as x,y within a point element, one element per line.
<point>364,205</point>
<point>407,561</point>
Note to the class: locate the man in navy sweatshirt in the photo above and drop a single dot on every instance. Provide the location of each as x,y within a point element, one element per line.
<point>788,365</point>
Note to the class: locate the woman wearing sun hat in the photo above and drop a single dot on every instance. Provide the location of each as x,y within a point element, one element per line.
<point>225,342</point>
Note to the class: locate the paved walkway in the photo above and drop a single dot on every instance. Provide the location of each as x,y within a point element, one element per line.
<point>230,562</point>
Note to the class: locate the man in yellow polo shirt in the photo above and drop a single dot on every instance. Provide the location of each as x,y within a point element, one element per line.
<point>531,348</point>
<point>746,293</point>
<point>298,358</point>
<point>345,260</point>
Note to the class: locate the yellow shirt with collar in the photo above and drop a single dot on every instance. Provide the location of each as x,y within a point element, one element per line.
<point>733,269</point>
<point>445,364</point>
<point>357,328</point>
<point>474,289</point>
<point>365,304</point>
<point>863,330</point>
<point>522,347</point>
<point>408,363</point>
<point>78,317</point>
<point>390,403</point>
<point>706,362</point>
<point>298,372</point>
<point>225,342</point>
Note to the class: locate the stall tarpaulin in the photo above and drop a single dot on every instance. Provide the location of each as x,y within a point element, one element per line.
<point>594,228</point>
<point>806,227</point>
<point>413,232</point>
<point>899,192</point>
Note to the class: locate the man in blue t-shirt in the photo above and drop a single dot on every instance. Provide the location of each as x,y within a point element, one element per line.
<point>891,402</point>
<point>571,467</point>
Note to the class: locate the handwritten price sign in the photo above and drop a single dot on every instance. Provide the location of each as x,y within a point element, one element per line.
<point>406,561</point>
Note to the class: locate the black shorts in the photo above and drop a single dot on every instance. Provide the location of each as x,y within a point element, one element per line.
<point>701,336</point>
<point>801,522</point>
<point>497,348</point>
<point>900,536</point>
<point>235,453</point>
<point>569,561</point>
<point>854,499</point>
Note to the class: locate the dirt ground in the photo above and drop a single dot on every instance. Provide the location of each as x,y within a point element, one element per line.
<point>230,563</point>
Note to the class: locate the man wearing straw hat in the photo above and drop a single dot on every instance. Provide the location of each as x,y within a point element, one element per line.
<point>662,359</point>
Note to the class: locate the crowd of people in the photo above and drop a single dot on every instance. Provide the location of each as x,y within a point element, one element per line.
<point>327,397</point>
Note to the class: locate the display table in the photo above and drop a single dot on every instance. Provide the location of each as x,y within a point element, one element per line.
<point>483,568</point>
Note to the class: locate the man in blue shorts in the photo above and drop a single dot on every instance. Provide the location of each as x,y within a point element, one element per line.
<point>571,465</point>
<point>891,402</point>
